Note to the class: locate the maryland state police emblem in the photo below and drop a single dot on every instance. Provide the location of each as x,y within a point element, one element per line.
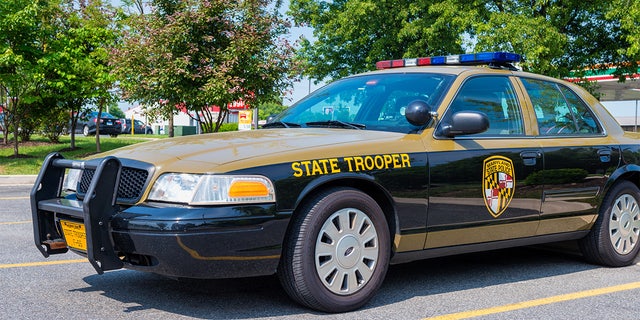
<point>499,184</point>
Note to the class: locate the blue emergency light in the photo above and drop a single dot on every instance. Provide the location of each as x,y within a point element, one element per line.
<point>490,58</point>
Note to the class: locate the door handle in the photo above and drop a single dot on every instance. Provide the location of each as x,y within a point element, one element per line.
<point>530,158</point>
<point>605,155</point>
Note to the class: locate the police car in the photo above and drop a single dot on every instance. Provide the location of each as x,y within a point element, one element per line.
<point>423,158</point>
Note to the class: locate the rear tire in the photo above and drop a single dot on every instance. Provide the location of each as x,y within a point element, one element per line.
<point>337,251</point>
<point>85,131</point>
<point>613,239</point>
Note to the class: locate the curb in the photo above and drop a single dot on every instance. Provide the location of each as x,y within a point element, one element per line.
<point>17,179</point>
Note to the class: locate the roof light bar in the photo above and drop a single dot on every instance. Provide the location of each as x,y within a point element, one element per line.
<point>481,58</point>
<point>397,63</point>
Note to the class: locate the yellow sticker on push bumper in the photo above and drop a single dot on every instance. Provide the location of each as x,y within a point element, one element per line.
<point>74,234</point>
<point>353,164</point>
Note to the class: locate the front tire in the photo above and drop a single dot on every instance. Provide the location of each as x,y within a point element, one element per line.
<point>337,252</point>
<point>613,240</point>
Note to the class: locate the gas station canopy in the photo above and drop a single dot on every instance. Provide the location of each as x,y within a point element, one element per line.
<point>611,88</point>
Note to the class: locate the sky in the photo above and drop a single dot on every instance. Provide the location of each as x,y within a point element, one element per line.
<point>306,86</point>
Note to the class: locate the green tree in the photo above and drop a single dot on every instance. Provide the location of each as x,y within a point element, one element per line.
<point>115,111</point>
<point>269,108</point>
<point>352,35</point>
<point>628,13</point>
<point>203,54</point>
<point>53,120</point>
<point>24,34</point>
<point>553,36</point>
<point>77,60</point>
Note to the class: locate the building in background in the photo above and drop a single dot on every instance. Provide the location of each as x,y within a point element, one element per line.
<point>620,98</point>
<point>184,118</point>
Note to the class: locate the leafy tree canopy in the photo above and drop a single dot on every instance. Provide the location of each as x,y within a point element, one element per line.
<point>76,61</point>
<point>554,36</point>
<point>24,33</point>
<point>117,112</point>
<point>203,54</point>
<point>269,108</point>
<point>628,13</point>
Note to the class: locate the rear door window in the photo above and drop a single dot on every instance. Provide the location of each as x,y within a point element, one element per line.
<point>559,110</point>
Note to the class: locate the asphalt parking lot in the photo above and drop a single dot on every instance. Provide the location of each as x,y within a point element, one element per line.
<point>525,283</point>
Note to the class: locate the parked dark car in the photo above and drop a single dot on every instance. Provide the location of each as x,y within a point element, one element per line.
<point>139,128</point>
<point>108,124</point>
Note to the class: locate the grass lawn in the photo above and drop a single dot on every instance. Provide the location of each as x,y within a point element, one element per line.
<point>32,153</point>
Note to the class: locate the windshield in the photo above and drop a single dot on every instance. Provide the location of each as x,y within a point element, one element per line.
<point>370,102</point>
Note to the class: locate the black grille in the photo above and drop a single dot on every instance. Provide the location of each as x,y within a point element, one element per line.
<point>131,185</point>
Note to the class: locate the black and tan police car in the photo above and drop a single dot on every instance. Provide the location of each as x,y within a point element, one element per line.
<point>427,157</point>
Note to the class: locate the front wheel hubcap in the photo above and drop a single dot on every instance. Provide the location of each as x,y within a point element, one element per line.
<point>624,224</point>
<point>346,251</point>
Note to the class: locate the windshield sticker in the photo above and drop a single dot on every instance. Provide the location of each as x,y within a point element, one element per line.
<point>350,164</point>
<point>499,184</point>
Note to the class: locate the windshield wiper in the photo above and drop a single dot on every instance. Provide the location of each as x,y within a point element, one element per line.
<point>336,124</point>
<point>280,124</point>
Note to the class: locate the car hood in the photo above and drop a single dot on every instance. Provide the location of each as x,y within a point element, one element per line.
<point>223,152</point>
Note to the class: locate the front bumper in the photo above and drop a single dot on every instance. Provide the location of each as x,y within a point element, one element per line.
<point>177,241</point>
<point>221,242</point>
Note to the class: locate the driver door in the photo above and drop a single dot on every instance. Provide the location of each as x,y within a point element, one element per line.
<point>482,186</point>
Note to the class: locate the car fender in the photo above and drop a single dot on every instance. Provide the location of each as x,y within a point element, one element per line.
<point>629,172</point>
<point>361,181</point>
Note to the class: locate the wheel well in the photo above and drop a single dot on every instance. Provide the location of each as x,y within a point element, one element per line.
<point>631,176</point>
<point>634,177</point>
<point>382,198</point>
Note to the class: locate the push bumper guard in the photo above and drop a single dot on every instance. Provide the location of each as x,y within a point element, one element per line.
<point>95,210</point>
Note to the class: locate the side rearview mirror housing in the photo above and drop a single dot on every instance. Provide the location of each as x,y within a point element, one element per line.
<point>418,113</point>
<point>465,122</point>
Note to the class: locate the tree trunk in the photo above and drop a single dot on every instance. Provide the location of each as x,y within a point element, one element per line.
<point>100,106</point>
<point>15,121</point>
<point>73,138</point>
<point>4,102</point>
<point>74,123</point>
<point>171,125</point>
<point>15,139</point>
<point>222,115</point>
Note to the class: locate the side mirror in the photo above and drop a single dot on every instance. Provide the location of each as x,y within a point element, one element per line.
<point>418,113</point>
<point>465,122</point>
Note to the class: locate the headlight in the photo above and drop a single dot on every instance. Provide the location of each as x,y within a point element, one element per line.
<point>71,180</point>
<point>205,189</point>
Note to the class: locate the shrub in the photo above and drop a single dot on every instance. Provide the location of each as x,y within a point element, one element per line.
<point>228,127</point>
